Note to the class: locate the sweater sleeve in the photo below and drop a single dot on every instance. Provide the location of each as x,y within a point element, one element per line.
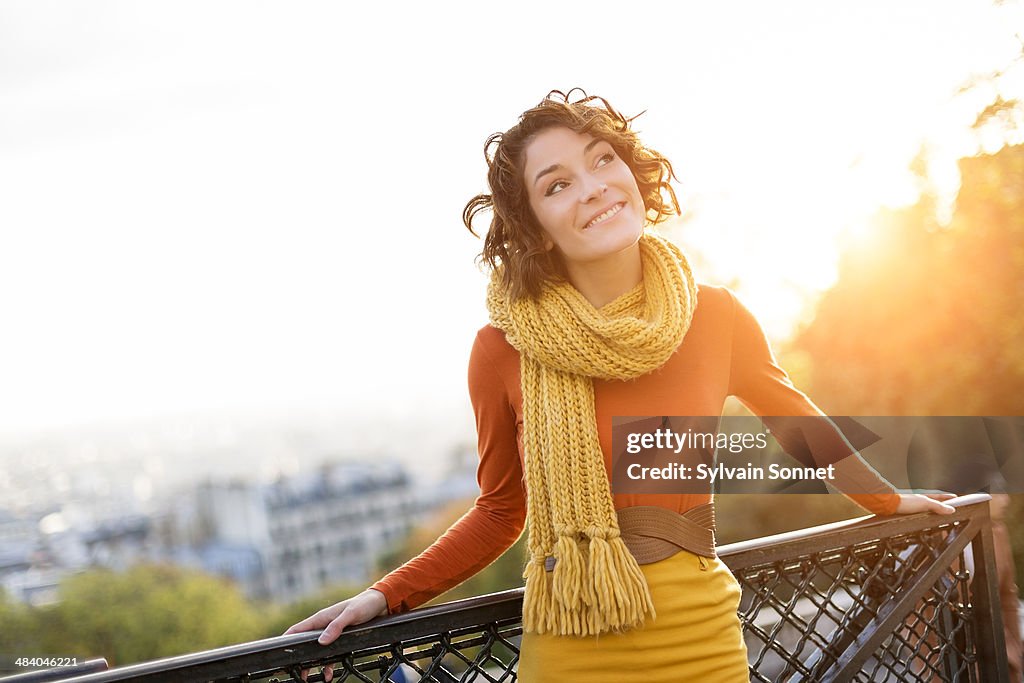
<point>758,381</point>
<point>498,515</point>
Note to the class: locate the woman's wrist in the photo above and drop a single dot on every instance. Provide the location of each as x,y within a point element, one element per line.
<point>380,598</point>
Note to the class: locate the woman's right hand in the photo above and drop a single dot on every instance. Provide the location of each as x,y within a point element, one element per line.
<point>334,619</point>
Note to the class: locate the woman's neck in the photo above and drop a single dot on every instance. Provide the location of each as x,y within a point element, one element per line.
<point>604,281</point>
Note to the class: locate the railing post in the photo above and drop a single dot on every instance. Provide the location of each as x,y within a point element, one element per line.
<point>988,620</point>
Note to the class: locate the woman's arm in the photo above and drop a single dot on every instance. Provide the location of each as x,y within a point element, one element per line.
<point>478,538</point>
<point>758,381</point>
<point>497,517</point>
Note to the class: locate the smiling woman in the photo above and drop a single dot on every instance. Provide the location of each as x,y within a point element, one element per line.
<point>558,171</point>
<point>590,208</point>
<point>594,315</point>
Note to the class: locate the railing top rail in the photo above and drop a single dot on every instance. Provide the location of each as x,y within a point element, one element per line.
<point>858,523</point>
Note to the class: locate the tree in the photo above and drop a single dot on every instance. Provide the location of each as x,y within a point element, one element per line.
<point>148,612</point>
<point>930,321</point>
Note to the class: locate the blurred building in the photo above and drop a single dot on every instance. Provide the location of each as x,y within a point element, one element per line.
<point>38,549</point>
<point>288,539</point>
<point>283,540</point>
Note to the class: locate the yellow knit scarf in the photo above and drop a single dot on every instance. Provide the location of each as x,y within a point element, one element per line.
<point>564,342</point>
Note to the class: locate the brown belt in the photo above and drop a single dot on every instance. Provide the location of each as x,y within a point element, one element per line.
<point>653,533</point>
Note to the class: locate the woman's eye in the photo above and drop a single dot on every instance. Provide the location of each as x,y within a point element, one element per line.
<point>556,186</point>
<point>605,159</point>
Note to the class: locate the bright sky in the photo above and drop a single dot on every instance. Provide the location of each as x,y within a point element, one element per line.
<point>232,205</point>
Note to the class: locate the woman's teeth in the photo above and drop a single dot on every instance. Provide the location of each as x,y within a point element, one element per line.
<point>604,216</point>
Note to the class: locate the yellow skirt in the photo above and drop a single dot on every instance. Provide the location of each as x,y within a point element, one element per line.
<point>696,636</point>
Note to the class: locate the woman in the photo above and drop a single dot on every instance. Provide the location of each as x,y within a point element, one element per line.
<point>593,316</point>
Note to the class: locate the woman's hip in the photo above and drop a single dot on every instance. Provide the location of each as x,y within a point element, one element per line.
<point>696,634</point>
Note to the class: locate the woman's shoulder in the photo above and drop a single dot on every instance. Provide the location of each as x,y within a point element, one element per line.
<point>719,315</point>
<point>493,363</point>
<point>492,339</point>
<point>492,345</point>
<point>709,294</point>
<point>715,302</point>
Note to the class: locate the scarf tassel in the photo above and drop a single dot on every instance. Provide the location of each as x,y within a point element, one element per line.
<point>537,600</point>
<point>590,591</point>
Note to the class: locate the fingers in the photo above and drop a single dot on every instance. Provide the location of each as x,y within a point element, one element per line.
<point>941,508</point>
<point>307,624</point>
<point>318,620</point>
<point>335,619</point>
<point>335,628</point>
<point>911,503</point>
<point>312,623</point>
<point>300,627</point>
<point>328,673</point>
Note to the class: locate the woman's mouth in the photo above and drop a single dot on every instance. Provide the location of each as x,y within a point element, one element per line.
<point>605,216</point>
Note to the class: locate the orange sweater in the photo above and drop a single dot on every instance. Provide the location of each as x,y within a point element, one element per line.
<point>724,353</point>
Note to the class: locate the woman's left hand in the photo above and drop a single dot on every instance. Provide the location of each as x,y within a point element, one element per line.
<point>925,502</point>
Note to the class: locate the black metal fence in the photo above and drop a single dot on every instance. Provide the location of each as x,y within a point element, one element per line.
<point>907,598</point>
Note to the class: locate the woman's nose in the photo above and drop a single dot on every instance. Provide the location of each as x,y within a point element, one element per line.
<point>593,189</point>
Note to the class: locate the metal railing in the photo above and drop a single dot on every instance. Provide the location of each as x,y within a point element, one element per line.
<point>905,598</point>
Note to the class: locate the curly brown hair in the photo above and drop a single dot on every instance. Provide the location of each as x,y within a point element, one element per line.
<point>515,242</point>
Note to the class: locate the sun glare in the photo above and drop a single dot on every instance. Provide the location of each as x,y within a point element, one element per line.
<point>241,185</point>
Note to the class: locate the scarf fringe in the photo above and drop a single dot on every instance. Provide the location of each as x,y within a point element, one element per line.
<point>590,591</point>
<point>536,599</point>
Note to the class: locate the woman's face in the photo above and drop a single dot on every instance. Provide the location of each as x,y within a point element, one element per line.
<point>584,196</point>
